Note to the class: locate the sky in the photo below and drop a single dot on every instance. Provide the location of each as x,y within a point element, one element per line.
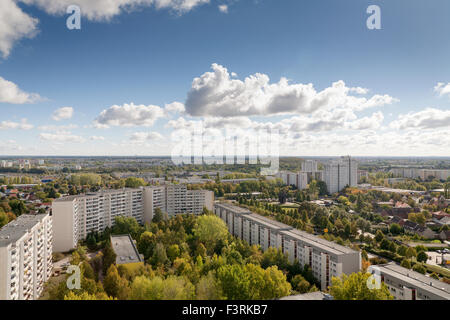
<point>140,73</point>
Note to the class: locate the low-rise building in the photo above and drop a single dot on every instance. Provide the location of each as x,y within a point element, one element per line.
<point>125,249</point>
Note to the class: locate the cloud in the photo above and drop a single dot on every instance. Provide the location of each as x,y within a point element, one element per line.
<point>175,107</point>
<point>11,93</point>
<point>429,118</point>
<point>62,136</point>
<point>101,10</point>
<point>129,115</point>
<point>22,125</point>
<point>217,94</point>
<point>373,122</point>
<point>14,26</point>
<point>442,89</point>
<point>97,138</point>
<point>223,8</point>
<point>63,113</point>
<point>57,128</point>
<point>143,136</point>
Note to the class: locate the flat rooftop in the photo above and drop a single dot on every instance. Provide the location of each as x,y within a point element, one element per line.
<point>125,249</point>
<point>16,229</point>
<point>233,208</point>
<point>416,279</point>
<point>93,194</point>
<point>319,242</point>
<point>274,224</point>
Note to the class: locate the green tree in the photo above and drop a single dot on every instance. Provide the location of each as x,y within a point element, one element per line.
<point>3,218</point>
<point>249,282</point>
<point>111,283</point>
<point>208,288</point>
<point>133,182</point>
<point>354,287</point>
<point>395,229</point>
<point>379,236</point>
<point>86,296</point>
<point>300,284</point>
<point>406,264</point>
<point>422,256</point>
<point>17,207</point>
<point>158,216</point>
<point>410,252</point>
<point>159,255</point>
<point>173,252</point>
<point>419,268</point>
<point>171,288</point>
<point>109,257</point>
<point>210,230</point>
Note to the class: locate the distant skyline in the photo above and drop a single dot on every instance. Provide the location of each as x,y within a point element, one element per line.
<point>137,72</point>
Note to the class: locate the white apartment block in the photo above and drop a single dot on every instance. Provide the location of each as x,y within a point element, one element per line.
<point>297,179</point>
<point>405,284</point>
<point>424,174</point>
<point>309,166</point>
<point>327,259</point>
<point>74,217</point>
<point>25,257</point>
<point>340,173</point>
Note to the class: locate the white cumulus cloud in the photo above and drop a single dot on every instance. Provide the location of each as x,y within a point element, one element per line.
<point>99,10</point>
<point>61,137</point>
<point>429,118</point>
<point>11,93</point>
<point>129,115</point>
<point>218,94</point>
<point>442,89</point>
<point>22,125</point>
<point>14,26</point>
<point>223,8</point>
<point>63,113</point>
<point>143,136</point>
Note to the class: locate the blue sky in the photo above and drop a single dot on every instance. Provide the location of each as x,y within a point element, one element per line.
<point>142,58</point>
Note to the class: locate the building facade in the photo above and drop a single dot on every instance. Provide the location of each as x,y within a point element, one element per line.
<point>74,217</point>
<point>341,173</point>
<point>326,259</point>
<point>423,174</point>
<point>297,179</point>
<point>405,284</point>
<point>25,257</point>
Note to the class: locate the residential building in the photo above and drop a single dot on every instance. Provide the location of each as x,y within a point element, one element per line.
<point>297,179</point>
<point>74,217</point>
<point>25,257</point>
<point>125,249</point>
<point>424,174</point>
<point>405,284</point>
<point>362,175</point>
<point>341,173</point>
<point>309,166</point>
<point>326,259</point>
